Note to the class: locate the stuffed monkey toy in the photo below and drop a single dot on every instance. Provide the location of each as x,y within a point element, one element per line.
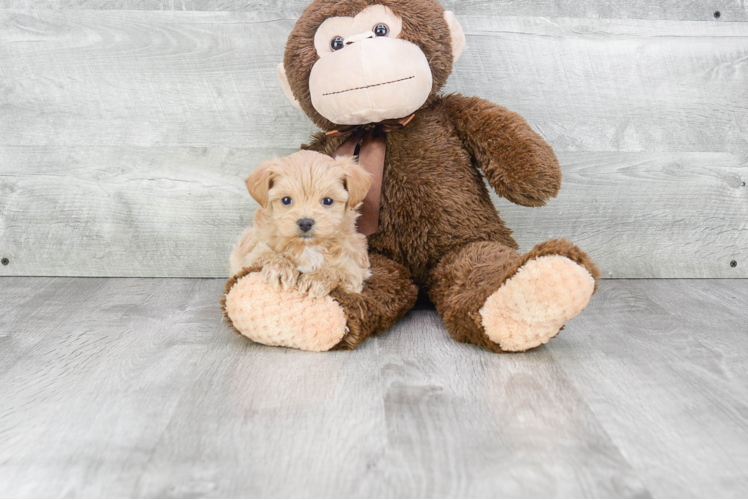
<point>368,73</point>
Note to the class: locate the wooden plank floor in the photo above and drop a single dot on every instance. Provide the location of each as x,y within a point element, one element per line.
<point>135,387</point>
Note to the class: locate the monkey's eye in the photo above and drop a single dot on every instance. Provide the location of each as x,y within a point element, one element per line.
<point>337,43</point>
<point>286,201</point>
<point>327,201</point>
<point>381,29</point>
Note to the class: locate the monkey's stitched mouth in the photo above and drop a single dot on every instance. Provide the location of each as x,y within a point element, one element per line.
<point>369,86</point>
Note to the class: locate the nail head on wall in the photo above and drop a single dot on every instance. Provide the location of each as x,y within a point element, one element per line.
<point>5,261</point>
<point>717,14</point>
<point>733,263</point>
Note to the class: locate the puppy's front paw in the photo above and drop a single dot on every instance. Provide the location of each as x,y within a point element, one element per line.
<point>280,273</point>
<point>352,286</point>
<point>316,284</point>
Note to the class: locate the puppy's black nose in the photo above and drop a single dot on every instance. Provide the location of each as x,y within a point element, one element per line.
<point>305,224</point>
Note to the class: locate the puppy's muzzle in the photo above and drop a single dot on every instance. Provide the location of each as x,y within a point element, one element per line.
<point>305,224</point>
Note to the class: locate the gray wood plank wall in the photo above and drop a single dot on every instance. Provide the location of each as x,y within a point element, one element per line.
<point>126,128</point>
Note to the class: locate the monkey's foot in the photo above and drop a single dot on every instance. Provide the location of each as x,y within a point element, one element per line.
<point>285,318</point>
<point>532,306</point>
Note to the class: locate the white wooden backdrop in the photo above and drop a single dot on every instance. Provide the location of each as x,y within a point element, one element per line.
<point>127,127</point>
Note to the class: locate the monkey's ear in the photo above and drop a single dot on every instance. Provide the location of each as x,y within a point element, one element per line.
<point>356,181</point>
<point>260,181</point>
<point>281,70</point>
<point>458,36</point>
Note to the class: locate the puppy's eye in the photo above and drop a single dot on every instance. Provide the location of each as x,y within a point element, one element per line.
<point>327,201</point>
<point>381,29</point>
<point>286,200</point>
<point>337,43</point>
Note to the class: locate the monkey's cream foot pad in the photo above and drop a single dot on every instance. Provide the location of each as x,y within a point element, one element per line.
<point>531,307</point>
<point>285,318</point>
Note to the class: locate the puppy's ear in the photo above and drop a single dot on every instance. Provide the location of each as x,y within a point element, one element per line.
<point>356,180</point>
<point>260,181</point>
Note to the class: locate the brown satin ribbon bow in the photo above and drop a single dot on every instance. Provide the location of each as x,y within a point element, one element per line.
<point>371,142</point>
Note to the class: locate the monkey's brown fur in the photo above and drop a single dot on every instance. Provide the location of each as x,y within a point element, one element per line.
<point>438,229</point>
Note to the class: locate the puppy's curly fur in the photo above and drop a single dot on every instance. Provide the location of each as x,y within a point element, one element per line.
<point>304,233</point>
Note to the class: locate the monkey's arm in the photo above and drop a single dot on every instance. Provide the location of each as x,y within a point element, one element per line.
<point>517,162</point>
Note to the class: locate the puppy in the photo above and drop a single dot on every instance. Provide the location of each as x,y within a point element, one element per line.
<point>304,232</point>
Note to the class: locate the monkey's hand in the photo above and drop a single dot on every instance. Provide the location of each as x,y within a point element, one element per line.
<point>517,162</point>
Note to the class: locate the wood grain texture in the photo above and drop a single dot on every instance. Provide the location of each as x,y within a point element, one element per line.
<point>106,78</point>
<point>125,135</point>
<point>208,79</point>
<point>134,387</point>
<point>176,211</point>
<point>123,211</point>
<point>689,10</point>
<point>463,422</point>
<point>590,85</point>
<point>103,364</point>
<point>662,364</point>
<point>647,215</point>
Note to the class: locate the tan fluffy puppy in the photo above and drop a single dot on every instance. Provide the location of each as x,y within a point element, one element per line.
<point>304,232</point>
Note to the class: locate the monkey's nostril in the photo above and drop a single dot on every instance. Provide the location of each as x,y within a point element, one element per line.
<point>305,224</point>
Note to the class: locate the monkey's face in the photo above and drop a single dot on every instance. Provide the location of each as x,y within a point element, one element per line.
<point>365,73</point>
<point>375,65</point>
